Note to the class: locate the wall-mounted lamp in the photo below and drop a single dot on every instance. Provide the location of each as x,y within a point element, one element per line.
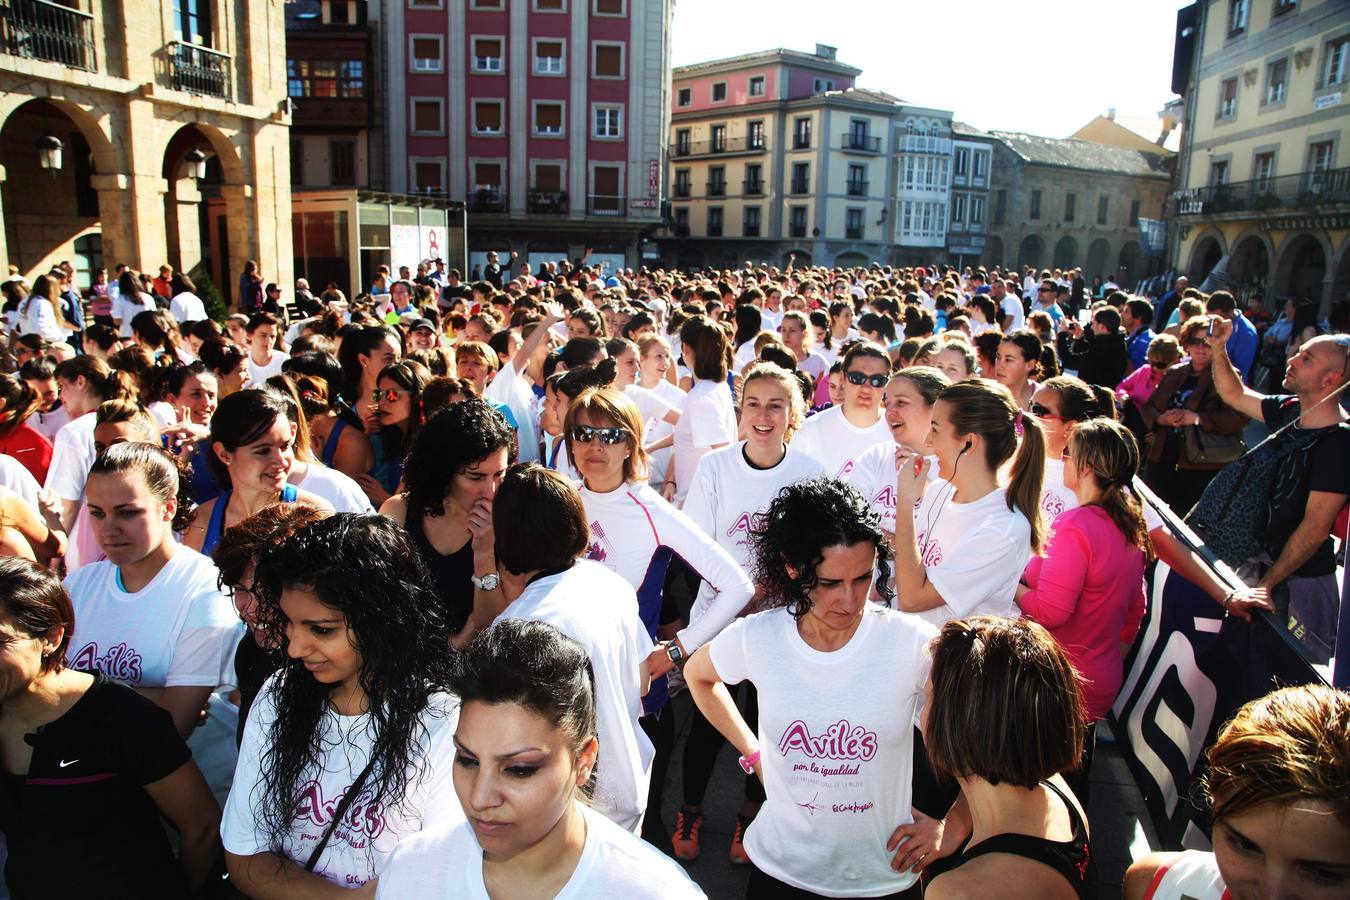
<point>196,163</point>
<point>49,153</point>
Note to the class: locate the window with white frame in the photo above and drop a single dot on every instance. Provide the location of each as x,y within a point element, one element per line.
<point>981,161</point>
<point>962,162</point>
<point>1237,16</point>
<point>487,54</point>
<point>1320,155</point>
<point>821,85</point>
<point>684,97</point>
<point>1337,64</point>
<point>607,122</point>
<point>548,119</point>
<point>958,209</point>
<point>487,4</point>
<point>610,7</point>
<point>1263,170</point>
<point>425,50</point>
<point>1277,79</point>
<point>548,57</point>
<point>606,60</point>
<point>428,115</point>
<point>1228,98</point>
<point>487,117</point>
<point>426,4</point>
<point>428,175</point>
<point>1218,173</point>
<point>550,6</point>
<point>756,87</point>
<point>977,213</point>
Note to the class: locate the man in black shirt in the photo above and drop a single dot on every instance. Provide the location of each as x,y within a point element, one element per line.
<point>1100,357</point>
<point>454,289</point>
<point>1312,484</point>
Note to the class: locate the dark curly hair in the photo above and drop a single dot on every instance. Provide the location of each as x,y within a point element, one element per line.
<point>799,524</point>
<point>363,566</point>
<point>452,439</point>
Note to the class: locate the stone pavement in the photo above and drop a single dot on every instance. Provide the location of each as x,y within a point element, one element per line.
<point>1118,834</point>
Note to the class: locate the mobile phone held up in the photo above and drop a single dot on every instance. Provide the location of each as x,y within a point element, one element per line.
<point>1085,317</point>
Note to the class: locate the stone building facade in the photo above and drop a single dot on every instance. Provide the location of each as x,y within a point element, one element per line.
<point>159,107</point>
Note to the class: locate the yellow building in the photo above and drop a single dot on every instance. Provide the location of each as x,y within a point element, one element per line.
<point>1263,189</point>
<point>118,120</point>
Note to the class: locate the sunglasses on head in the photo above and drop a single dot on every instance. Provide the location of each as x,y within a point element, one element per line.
<point>584,434</point>
<point>876,381</point>
<point>390,394</point>
<point>1044,412</point>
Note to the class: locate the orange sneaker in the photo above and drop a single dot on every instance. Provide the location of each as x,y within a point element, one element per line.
<point>685,839</point>
<point>737,854</point>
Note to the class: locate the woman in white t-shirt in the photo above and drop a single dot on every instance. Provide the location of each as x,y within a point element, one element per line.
<point>910,396</point>
<point>264,359</point>
<point>836,763</point>
<point>708,420</point>
<point>654,363</point>
<point>131,299</point>
<point>526,748</point>
<point>840,435</point>
<point>794,329</point>
<point>151,614</point>
<point>1059,404</point>
<point>653,406</point>
<point>349,746</point>
<point>964,549</point>
<point>732,488</point>
<point>40,312</point>
<point>1017,364</point>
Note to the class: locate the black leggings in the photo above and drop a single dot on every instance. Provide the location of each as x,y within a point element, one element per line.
<point>766,887</point>
<point>660,728</point>
<point>703,743</point>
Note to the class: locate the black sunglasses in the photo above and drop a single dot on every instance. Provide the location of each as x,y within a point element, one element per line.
<point>584,434</point>
<point>876,381</point>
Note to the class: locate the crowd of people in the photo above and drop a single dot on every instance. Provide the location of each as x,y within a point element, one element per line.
<point>393,596</point>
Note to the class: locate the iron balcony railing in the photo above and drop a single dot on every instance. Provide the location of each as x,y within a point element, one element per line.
<point>717,189</point>
<point>853,232</point>
<point>716,147</point>
<point>200,70</point>
<point>604,204</point>
<point>797,231</point>
<point>682,189</point>
<point>1302,191</point>
<point>548,203</point>
<point>36,29</point>
<point>752,188</point>
<point>486,200</point>
<point>859,143</point>
<point>857,188</point>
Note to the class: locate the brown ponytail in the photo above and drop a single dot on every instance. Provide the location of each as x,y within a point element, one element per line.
<point>1109,450</point>
<point>1080,401</point>
<point>102,380</point>
<point>160,470</point>
<point>20,402</point>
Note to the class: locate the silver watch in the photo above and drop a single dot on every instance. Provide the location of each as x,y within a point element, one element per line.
<point>489,582</point>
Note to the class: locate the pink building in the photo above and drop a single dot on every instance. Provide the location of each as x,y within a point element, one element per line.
<point>548,118</point>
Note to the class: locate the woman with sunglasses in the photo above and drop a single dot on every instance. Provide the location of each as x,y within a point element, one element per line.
<point>252,451</point>
<point>452,474</point>
<point>1017,365</point>
<point>836,762</point>
<point>334,429</point>
<point>1186,398</point>
<point>732,487</point>
<point>349,745</point>
<point>526,749</point>
<point>1135,389</point>
<point>397,407</point>
<point>635,532</point>
<point>560,390</point>
<point>839,436</point>
<point>1060,404</point>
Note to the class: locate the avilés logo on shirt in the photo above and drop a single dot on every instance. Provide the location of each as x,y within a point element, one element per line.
<point>596,551</point>
<point>740,529</point>
<point>120,663</point>
<point>363,822</point>
<point>844,470</point>
<point>840,741</point>
<point>885,498</point>
<point>931,553</point>
<point>1051,504</point>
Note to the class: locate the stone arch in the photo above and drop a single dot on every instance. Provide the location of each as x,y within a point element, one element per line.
<point>1099,252</point>
<point>1340,285</point>
<point>803,258</point>
<point>1249,264</point>
<point>1066,253</point>
<point>993,251</point>
<point>1206,252</point>
<point>851,259</point>
<point>1130,266</point>
<point>1029,252</point>
<point>1301,267</point>
<point>94,125</point>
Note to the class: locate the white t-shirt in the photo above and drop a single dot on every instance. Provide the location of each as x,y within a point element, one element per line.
<point>127,308</point>
<point>18,479</point>
<point>258,374</point>
<point>49,423</point>
<point>837,755</point>
<point>513,389</point>
<point>708,418</point>
<point>187,307</point>
<point>651,404</point>
<point>337,488</point>
<point>815,365</point>
<point>655,429</point>
<point>875,475</point>
<point>598,609</point>
<point>629,526</point>
<point>1055,497</point>
<point>837,442</point>
<point>72,454</point>
<point>1011,306</point>
<point>448,863</point>
<point>36,316</point>
<point>1192,875</point>
<point>179,630</point>
<point>974,553</point>
<point>726,496</point>
<point>362,843</point>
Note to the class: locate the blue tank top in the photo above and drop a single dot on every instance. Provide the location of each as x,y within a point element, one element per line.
<point>216,526</point>
<point>330,446</point>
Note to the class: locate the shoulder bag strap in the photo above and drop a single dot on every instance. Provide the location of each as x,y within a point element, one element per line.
<point>342,807</point>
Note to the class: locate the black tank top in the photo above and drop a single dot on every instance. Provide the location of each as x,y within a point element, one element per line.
<point>1071,858</point>
<point>449,574</point>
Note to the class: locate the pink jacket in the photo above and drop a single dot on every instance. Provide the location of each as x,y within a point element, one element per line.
<point>1139,385</point>
<point>1088,590</point>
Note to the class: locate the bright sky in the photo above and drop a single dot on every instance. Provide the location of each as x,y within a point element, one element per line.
<point>1050,65</point>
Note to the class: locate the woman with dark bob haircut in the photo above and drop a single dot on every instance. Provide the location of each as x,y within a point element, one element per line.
<point>73,740</point>
<point>450,478</point>
<point>541,535</point>
<point>526,684</point>
<point>818,550</point>
<point>348,747</point>
<point>1004,718</point>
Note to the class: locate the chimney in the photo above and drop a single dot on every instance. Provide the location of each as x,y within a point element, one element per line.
<point>825,51</point>
<point>1111,114</point>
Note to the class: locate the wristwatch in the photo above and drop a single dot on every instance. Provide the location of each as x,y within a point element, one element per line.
<point>489,582</point>
<point>674,652</point>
